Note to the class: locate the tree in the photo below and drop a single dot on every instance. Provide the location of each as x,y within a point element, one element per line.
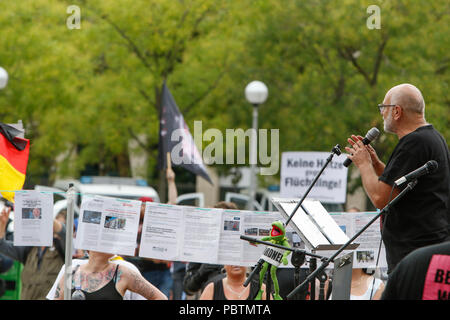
<point>326,70</point>
<point>84,94</point>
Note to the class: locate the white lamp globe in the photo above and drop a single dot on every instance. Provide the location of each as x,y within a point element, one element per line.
<point>256,92</point>
<point>3,78</point>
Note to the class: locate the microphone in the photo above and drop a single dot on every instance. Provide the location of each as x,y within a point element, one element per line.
<point>371,135</point>
<point>428,167</point>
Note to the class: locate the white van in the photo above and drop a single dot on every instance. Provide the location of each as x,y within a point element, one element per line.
<point>263,200</point>
<point>116,187</point>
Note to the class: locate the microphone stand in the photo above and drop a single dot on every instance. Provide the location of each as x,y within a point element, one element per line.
<point>336,150</point>
<point>409,187</point>
<point>297,260</point>
<point>313,263</point>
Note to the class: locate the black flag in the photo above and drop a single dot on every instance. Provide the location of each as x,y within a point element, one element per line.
<point>175,138</point>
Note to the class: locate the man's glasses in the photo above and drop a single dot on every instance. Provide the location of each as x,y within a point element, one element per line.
<point>381,106</point>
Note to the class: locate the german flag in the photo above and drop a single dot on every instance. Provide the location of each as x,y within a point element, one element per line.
<point>14,153</point>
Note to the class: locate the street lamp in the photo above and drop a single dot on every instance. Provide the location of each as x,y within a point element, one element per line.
<point>3,78</point>
<point>256,93</point>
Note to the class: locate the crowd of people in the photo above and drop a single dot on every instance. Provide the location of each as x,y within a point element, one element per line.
<point>415,231</point>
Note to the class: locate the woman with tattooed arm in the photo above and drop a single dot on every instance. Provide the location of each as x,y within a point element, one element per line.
<point>102,279</point>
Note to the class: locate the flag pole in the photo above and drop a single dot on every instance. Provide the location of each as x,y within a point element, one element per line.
<point>162,177</point>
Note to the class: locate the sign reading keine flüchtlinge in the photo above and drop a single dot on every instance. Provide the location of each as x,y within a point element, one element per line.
<point>298,170</point>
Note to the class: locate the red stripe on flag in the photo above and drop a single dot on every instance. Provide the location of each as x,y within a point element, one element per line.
<point>18,159</point>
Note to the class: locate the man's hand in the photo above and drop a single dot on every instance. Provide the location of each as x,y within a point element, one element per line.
<point>371,168</point>
<point>359,154</point>
<point>4,217</point>
<point>377,164</point>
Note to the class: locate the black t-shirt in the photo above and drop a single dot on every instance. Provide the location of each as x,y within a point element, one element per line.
<point>422,275</point>
<point>422,216</point>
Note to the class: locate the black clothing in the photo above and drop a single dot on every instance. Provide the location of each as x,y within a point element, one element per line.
<point>179,271</point>
<point>40,267</point>
<point>145,265</point>
<point>286,281</point>
<point>107,292</point>
<point>422,216</point>
<point>219,294</point>
<point>415,278</point>
<point>198,275</point>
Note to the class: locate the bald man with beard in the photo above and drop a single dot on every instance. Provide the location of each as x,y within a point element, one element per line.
<point>422,216</point>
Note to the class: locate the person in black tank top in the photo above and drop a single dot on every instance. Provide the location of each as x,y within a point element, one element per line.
<point>219,291</point>
<point>101,279</point>
<point>107,292</point>
<point>232,286</point>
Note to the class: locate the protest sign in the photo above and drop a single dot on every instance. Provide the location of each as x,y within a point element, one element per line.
<point>298,170</point>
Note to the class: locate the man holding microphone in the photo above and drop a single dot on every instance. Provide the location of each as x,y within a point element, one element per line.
<point>422,216</point>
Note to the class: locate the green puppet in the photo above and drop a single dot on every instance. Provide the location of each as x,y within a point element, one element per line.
<point>273,256</point>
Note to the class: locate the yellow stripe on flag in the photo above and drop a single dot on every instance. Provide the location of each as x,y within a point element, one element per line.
<point>10,179</point>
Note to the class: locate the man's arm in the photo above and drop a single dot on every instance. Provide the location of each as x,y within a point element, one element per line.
<point>7,247</point>
<point>378,191</point>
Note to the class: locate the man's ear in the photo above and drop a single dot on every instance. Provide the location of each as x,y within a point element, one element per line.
<point>398,112</point>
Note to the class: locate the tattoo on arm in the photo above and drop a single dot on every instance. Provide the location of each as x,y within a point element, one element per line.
<point>141,286</point>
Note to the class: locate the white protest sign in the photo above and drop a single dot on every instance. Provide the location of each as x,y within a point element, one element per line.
<point>298,170</point>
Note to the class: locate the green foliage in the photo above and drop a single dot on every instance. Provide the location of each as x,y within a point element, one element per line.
<point>83,94</point>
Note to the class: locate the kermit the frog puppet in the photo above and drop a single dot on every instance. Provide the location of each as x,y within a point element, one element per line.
<point>274,256</point>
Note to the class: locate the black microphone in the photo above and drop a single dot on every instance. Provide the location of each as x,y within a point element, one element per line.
<point>428,167</point>
<point>371,135</point>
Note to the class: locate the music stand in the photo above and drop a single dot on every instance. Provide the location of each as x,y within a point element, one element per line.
<point>318,230</point>
<point>342,277</point>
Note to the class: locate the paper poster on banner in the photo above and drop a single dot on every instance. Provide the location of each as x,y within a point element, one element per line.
<point>366,255</point>
<point>33,220</point>
<point>204,235</point>
<point>181,233</point>
<point>256,225</point>
<point>160,236</point>
<point>212,235</point>
<point>108,225</point>
<point>230,243</point>
<point>299,169</point>
<point>201,233</point>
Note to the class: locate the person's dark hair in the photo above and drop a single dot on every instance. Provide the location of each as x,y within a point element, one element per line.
<point>226,205</point>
